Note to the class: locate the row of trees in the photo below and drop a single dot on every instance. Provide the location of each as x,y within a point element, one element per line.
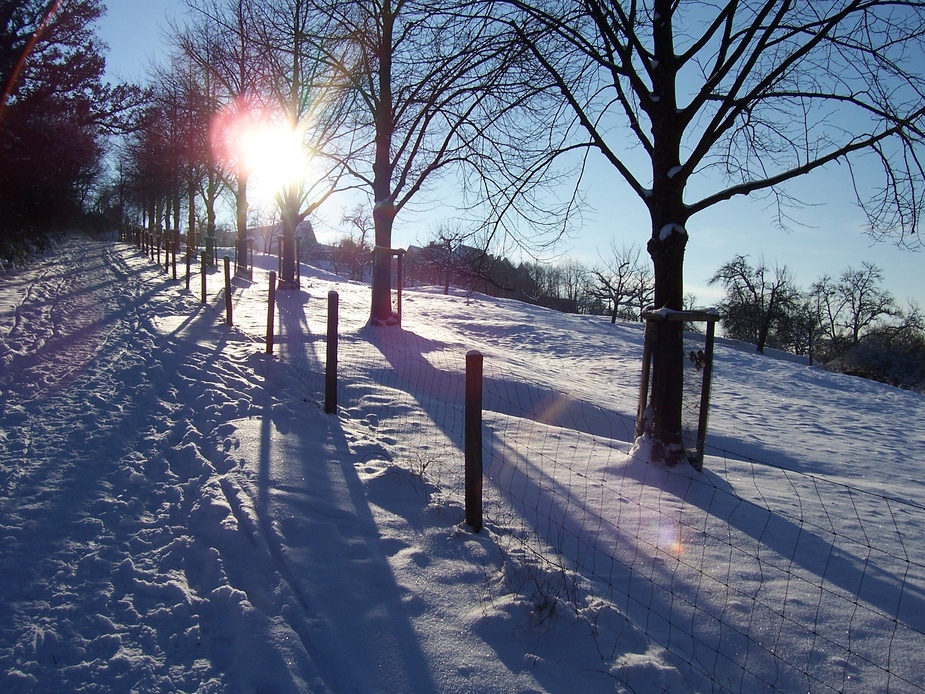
<point>620,286</point>
<point>691,104</point>
<point>848,322</point>
<point>379,96</point>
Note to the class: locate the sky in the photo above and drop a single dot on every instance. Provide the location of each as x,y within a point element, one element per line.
<point>830,240</point>
<point>178,513</point>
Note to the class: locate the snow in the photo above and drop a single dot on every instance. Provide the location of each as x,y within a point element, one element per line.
<point>669,229</point>
<point>178,514</point>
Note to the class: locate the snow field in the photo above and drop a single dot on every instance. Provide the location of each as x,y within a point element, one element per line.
<point>178,514</point>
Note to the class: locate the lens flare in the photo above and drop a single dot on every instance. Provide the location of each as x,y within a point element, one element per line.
<point>261,145</point>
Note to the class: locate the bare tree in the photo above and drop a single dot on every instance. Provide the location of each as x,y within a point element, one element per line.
<point>353,250</point>
<point>360,222</point>
<point>758,299</point>
<point>312,111</point>
<point>427,82</point>
<point>220,39</point>
<point>623,281</point>
<point>697,103</point>
<point>852,304</point>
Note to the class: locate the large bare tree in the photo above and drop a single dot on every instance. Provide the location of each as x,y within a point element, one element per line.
<point>312,113</point>
<point>695,103</point>
<point>220,37</point>
<point>427,81</point>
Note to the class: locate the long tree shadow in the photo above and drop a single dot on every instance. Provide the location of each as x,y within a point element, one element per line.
<point>323,538</point>
<point>321,533</point>
<point>571,533</point>
<point>650,590</point>
<point>296,342</point>
<point>824,555</point>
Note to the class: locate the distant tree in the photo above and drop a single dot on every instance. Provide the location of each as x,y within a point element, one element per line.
<point>696,103</point>
<point>446,260</point>
<point>360,224</point>
<point>353,252</point>
<point>426,81</point>
<point>307,105</point>
<point>195,99</point>
<point>802,330</point>
<point>892,352</point>
<point>758,303</point>
<point>862,301</point>
<point>221,38</point>
<point>573,279</point>
<point>851,305</point>
<point>624,282</point>
<point>151,167</point>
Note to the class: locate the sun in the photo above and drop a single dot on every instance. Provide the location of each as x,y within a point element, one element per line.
<point>275,156</point>
<point>264,147</point>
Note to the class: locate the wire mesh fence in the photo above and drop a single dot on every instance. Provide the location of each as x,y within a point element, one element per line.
<point>759,577</point>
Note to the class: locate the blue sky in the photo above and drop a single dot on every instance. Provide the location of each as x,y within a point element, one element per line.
<point>831,241</point>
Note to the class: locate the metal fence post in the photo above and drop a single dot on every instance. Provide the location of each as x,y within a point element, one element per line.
<point>330,372</point>
<point>473,445</point>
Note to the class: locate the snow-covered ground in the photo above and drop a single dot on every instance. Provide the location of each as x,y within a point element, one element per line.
<point>177,513</point>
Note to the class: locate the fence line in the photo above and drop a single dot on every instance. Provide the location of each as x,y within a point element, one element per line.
<point>745,583</point>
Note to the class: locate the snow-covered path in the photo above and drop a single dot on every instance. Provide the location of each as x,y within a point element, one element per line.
<point>112,508</point>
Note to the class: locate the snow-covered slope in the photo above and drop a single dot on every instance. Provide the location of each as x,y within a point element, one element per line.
<point>178,514</point>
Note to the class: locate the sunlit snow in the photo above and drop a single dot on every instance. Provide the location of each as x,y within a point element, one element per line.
<point>177,513</point>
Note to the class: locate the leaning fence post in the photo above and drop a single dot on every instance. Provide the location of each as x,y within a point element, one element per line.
<point>271,312</point>
<point>189,260</point>
<point>330,372</point>
<point>473,446</point>
<point>228,320</point>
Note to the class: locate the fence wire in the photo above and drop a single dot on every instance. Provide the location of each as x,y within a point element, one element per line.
<point>746,571</point>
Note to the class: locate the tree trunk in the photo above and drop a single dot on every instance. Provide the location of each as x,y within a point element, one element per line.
<point>765,328</point>
<point>381,312</point>
<point>667,350</point>
<point>191,218</point>
<point>240,202</point>
<point>289,210</point>
<point>384,207</point>
<point>666,247</point>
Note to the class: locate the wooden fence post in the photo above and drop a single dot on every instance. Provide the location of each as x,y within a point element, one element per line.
<point>271,312</point>
<point>228,320</point>
<point>473,445</point>
<point>203,268</point>
<point>330,372</point>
